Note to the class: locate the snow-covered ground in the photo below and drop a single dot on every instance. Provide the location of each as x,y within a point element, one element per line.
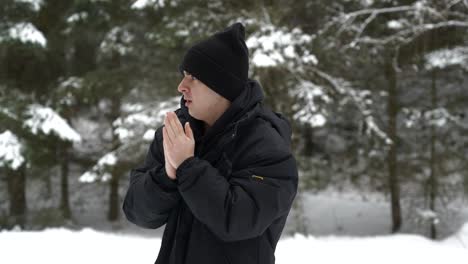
<point>61,245</point>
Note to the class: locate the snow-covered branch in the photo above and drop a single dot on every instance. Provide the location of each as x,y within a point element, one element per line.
<point>344,88</point>
<point>25,32</point>
<point>47,121</point>
<point>272,46</point>
<point>135,129</point>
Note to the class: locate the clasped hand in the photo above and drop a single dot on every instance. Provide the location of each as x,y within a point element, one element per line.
<point>178,144</point>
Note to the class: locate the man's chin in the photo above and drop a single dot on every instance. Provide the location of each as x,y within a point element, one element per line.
<point>194,115</point>
<point>191,113</point>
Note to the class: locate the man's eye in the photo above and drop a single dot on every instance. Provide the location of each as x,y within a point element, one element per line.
<point>193,77</point>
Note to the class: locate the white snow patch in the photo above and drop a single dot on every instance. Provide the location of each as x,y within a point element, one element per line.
<point>46,120</point>
<point>272,46</point>
<point>26,32</point>
<point>118,39</point>
<point>77,17</point>
<point>88,177</point>
<point>149,135</point>
<point>394,24</point>
<point>100,169</point>
<point>109,159</point>
<point>56,245</point>
<point>447,57</point>
<point>367,2</point>
<point>310,112</point>
<point>140,4</point>
<point>106,177</point>
<point>436,117</point>
<point>10,151</point>
<point>129,107</point>
<point>428,215</point>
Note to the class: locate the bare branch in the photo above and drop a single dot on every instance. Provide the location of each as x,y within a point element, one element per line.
<point>344,18</point>
<point>343,87</point>
<point>405,36</point>
<point>382,10</point>
<point>362,28</point>
<point>453,3</point>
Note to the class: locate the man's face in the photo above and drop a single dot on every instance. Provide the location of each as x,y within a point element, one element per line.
<point>202,102</point>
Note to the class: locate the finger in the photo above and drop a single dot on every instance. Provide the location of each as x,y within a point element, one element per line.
<point>176,124</point>
<point>169,126</point>
<point>169,132</point>
<point>166,138</point>
<point>188,130</point>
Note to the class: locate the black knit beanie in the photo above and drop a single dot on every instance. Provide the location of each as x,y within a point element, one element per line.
<point>221,62</point>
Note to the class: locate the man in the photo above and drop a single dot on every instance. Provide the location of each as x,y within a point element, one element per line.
<point>219,173</point>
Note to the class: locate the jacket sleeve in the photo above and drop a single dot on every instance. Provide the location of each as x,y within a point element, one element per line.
<point>151,194</point>
<point>245,203</point>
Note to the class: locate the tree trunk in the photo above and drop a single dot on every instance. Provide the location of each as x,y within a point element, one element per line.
<point>114,197</point>
<point>433,176</point>
<point>392,111</point>
<point>16,181</point>
<point>114,201</point>
<point>64,198</point>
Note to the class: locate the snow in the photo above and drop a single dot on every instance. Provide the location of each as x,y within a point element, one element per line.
<point>436,117</point>
<point>26,32</point>
<point>72,82</point>
<point>447,57</point>
<point>136,126</point>
<point>263,60</point>
<point>394,24</point>
<point>367,2</point>
<point>420,4</point>
<point>106,177</point>
<point>149,135</point>
<point>88,177</point>
<point>310,112</point>
<point>345,213</point>
<point>36,4</point>
<point>140,4</point>
<point>118,39</point>
<point>272,46</point>
<point>140,118</point>
<point>10,151</point>
<point>428,215</point>
<point>381,249</point>
<point>77,17</point>
<point>108,160</point>
<point>47,121</point>
<point>58,245</point>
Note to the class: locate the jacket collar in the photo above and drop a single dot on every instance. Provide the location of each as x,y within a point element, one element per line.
<point>240,110</point>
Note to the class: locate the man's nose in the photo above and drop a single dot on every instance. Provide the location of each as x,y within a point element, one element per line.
<point>183,86</point>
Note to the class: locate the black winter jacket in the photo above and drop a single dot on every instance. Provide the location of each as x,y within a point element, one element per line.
<point>230,201</point>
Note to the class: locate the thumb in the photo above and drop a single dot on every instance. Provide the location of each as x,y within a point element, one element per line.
<point>188,130</point>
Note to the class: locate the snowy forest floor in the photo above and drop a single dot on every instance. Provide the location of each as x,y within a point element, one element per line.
<point>59,245</point>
